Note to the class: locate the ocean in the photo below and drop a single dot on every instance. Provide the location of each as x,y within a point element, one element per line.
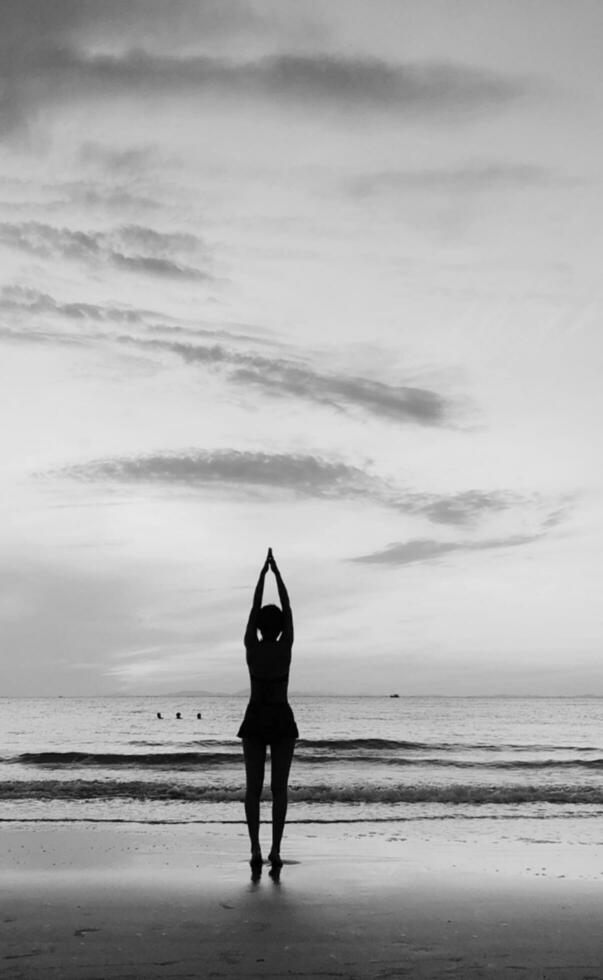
<point>359,759</point>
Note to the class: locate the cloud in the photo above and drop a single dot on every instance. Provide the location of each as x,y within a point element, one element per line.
<point>131,247</point>
<point>92,195</point>
<point>426,549</point>
<point>399,403</point>
<point>470,178</point>
<point>287,378</point>
<point>53,71</point>
<point>306,474</point>
<point>65,21</point>
<point>156,266</point>
<point>129,162</point>
<point>356,82</point>
<point>121,196</point>
<point>37,337</point>
<point>275,376</point>
<point>459,508</point>
<point>121,177</point>
<point>22,299</point>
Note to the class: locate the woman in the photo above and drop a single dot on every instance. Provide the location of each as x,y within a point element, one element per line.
<point>268,719</point>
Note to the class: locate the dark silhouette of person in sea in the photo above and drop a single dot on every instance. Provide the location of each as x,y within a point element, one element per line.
<point>268,719</point>
<point>179,715</point>
<point>159,715</point>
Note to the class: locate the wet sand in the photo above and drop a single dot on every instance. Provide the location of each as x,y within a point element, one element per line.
<point>353,901</point>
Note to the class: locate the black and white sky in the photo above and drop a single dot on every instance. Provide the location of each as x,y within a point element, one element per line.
<point>316,275</point>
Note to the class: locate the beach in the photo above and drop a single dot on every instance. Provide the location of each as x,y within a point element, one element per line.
<point>382,900</point>
<point>425,838</point>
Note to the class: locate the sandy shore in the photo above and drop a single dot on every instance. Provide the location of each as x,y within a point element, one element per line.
<point>357,901</point>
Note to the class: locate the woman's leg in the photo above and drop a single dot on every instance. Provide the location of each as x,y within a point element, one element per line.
<point>281,753</point>
<point>254,752</point>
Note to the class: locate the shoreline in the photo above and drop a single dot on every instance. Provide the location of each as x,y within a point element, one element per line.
<point>374,901</point>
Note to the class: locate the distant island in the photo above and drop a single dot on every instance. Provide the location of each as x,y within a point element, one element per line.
<point>244,692</point>
<point>195,694</point>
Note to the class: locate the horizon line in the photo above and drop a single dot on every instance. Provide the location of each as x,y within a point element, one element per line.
<point>219,694</point>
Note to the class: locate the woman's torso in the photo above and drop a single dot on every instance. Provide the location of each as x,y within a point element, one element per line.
<point>268,663</point>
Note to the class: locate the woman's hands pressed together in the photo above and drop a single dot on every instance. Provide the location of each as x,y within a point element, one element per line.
<point>270,563</point>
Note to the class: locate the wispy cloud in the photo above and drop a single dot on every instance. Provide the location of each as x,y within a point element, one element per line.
<point>105,196</point>
<point>24,301</point>
<point>460,508</point>
<point>39,337</point>
<point>49,72</point>
<point>356,82</point>
<point>427,549</point>
<point>128,162</point>
<point>287,378</point>
<point>70,20</point>
<point>461,179</point>
<point>224,350</point>
<point>130,247</point>
<point>305,474</point>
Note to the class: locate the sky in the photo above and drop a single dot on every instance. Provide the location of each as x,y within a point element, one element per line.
<point>321,276</point>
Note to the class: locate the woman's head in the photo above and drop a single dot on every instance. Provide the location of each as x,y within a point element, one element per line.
<point>270,622</point>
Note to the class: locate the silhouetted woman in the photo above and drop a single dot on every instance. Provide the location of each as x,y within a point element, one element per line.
<point>268,719</point>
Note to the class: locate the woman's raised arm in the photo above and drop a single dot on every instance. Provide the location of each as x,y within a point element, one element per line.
<point>251,632</point>
<point>284,599</point>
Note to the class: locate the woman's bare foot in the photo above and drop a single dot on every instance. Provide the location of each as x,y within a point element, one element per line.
<point>275,859</point>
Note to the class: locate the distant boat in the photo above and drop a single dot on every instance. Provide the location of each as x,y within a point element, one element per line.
<point>394,695</point>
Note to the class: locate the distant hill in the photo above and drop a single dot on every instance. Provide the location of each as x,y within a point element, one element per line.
<point>195,694</point>
<point>244,692</point>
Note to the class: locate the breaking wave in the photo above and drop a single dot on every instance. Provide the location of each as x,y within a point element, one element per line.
<point>345,744</point>
<point>179,761</point>
<point>109,759</point>
<point>316,794</point>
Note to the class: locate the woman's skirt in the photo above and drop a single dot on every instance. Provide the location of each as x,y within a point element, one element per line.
<point>268,722</point>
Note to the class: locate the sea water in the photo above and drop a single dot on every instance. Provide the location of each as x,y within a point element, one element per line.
<point>359,759</point>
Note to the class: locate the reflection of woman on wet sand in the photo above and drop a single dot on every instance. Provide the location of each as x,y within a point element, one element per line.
<point>268,719</point>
